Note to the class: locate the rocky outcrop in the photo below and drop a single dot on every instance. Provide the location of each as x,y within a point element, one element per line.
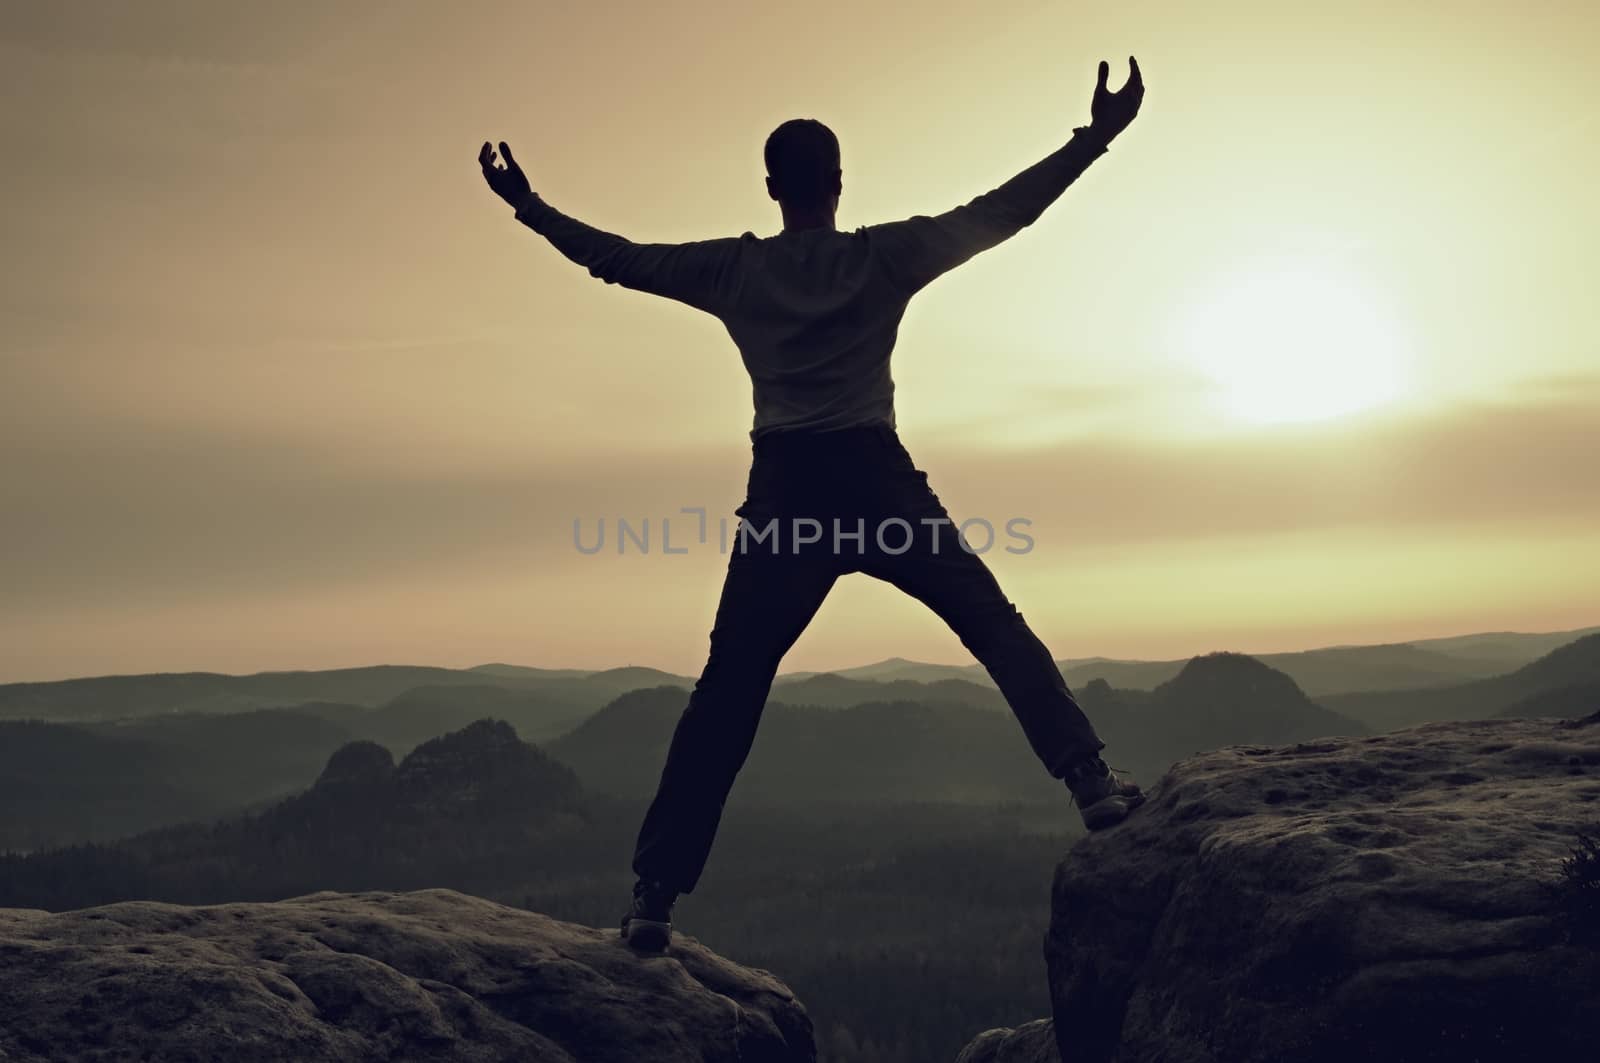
<point>480,771</point>
<point>1219,699</point>
<point>432,975</point>
<point>1033,1042</point>
<point>357,764</point>
<point>1385,898</point>
<point>476,808</point>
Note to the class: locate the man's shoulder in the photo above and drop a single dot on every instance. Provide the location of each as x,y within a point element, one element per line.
<point>858,231</point>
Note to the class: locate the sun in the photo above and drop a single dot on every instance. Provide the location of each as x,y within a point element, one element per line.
<point>1293,340</point>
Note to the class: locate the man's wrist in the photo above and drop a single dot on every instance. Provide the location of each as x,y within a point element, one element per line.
<point>525,206</point>
<point>1093,136</point>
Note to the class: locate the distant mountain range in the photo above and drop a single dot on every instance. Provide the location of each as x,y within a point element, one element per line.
<point>1576,664</point>
<point>457,807</point>
<point>471,800</point>
<point>562,694</point>
<point>98,767</point>
<point>1573,702</point>
<point>829,691</point>
<point>1319,672</point>
<point>96,781</point>
<point>557,698</point>
<point>875,751</point>
<point>1217,700</point>
<point>946,748</point>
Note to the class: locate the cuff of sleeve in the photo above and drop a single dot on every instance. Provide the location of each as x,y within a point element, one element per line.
<point>528,208</point>
<point>1092,137</point>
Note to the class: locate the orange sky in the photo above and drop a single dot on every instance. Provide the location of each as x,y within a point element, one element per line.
<point>1308,357</point>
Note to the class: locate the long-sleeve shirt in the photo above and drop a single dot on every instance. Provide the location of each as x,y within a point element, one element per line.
<point>815,312</point>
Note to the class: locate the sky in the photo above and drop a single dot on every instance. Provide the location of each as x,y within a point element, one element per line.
<point>1308,358</point>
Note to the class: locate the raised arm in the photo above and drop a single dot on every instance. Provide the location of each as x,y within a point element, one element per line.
<point>702,273</point>
<point>920,248</point>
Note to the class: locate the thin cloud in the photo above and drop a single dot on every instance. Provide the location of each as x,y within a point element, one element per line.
<point>193,511</point>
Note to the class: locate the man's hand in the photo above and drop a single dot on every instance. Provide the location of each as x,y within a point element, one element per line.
<point>1111,112</point>
<point>509,182</point>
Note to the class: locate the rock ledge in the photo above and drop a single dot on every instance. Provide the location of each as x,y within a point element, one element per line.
<point>1354,898</point>
<point>430,975</point>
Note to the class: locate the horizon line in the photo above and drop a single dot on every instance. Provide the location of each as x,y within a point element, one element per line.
<point>969,664</point>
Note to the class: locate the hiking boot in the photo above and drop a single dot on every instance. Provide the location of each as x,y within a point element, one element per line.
<point>648,924</point>
<point>1104,797</point>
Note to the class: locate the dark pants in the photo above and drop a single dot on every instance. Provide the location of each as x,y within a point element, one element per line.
<point>843,480</point>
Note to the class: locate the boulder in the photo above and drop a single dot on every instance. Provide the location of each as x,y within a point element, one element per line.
<point>430,975</point>
<point>1387,898</point>
<point>1033,1042</point>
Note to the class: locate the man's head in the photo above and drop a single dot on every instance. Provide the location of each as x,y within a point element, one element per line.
<point>803,166</point>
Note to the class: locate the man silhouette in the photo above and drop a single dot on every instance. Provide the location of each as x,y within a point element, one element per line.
<point>814,313</point>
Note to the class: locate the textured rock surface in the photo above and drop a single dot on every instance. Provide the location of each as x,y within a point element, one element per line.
<point>432,975</point>
<point>1034,1042</point>
<point>1358,898</point>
